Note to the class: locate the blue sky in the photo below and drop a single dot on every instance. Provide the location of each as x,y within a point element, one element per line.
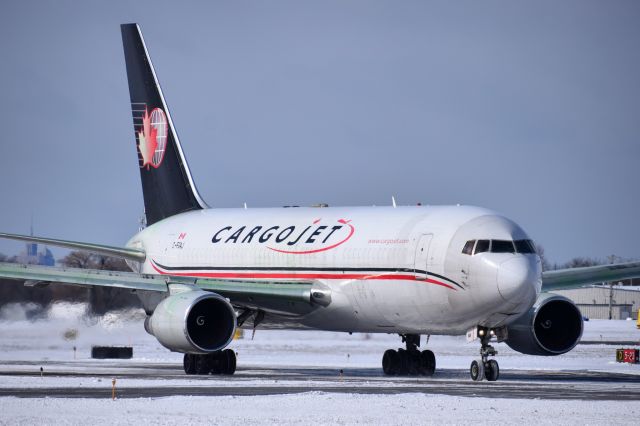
<point>528,108</point>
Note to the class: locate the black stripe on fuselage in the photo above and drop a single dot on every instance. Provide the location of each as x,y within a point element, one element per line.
<point>303,269</point>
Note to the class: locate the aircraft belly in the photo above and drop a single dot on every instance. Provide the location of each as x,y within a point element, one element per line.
<point>432,303</point>
<point>401,306</point>
<point>342,314</point>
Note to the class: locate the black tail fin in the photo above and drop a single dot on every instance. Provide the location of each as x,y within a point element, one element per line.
<point>167,185</point>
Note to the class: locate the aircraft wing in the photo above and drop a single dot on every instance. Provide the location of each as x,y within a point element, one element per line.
<point>125,253</point>
<point>291,297</point>
<point>283,297</point>
<point>563,279</point>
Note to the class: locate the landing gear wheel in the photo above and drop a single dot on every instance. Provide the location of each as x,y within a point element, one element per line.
<point>414,367</point>
<point>477,370</point>
<point>485,368</point>
<point>427,363</point>
<point>390,361</point>
<point>492,370</point>
<point>216,363</point>
<point>203,364</point>
<point>227,362</point>
<point>409,361</point>
<point>189,363</point>
<point>404,363</point>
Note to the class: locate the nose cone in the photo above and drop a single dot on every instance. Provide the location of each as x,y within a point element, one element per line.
<point>518,278</point>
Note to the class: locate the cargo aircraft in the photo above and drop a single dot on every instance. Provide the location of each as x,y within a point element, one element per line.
<point>202,272</point>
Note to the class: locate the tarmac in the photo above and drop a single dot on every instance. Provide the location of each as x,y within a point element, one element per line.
<point>136,379</point>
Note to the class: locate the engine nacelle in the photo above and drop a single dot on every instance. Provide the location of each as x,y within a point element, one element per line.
<point>193,322</point>
<point>553,326</point>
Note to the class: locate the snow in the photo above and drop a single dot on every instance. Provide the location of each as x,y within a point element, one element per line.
<point>44,340</point>
<point>317,409</point>
<point>50,340</point>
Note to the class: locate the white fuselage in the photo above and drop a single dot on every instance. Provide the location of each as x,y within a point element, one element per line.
<point>399,270</point>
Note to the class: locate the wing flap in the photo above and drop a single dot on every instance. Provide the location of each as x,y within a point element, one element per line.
<point>578,277</point>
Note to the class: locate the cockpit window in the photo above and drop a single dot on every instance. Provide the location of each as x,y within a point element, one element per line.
<point>482,246</point>
<point>468,247</point>
<point>525,246</point>
<point>502,246</point>
<point>499,246</point>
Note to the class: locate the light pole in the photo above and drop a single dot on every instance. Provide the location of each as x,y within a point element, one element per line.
<point>612,259</point>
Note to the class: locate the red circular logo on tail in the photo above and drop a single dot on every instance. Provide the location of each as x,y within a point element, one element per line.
<point>152,138</point>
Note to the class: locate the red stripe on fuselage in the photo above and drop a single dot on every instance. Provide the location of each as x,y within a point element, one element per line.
<point>305,276</point>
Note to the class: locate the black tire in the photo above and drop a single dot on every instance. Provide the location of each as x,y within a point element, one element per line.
<point>427,363</point>
<point>203,364</point>
<point>492,370</point>
<point>404,363</point>
<point>477,370</point>
<point>390,362</point>
<point>189,363</point>
<point>216,362</point>
<point>227,362</point>
<point>414,366</point>
<point>394,362</point>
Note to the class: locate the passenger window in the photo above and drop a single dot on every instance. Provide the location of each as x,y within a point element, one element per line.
<point>468,247</point>
<point>524,246</point>
<point>482,246</point>
<point>502,246</point>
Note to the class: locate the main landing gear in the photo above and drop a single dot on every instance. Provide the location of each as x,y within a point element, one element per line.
<point>409,361</point>
<point>220,362</point>
<point>485,368</point>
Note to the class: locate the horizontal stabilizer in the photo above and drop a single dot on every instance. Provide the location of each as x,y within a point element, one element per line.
<point>125,253</point>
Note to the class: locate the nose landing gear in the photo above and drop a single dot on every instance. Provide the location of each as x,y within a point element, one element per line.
<point>409,361</point>
<point>485,368</point>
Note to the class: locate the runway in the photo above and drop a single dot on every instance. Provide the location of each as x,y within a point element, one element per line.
<point>92,379</point>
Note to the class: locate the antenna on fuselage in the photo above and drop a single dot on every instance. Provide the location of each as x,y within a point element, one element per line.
<point>245,205</point>
<point>142,222</point>
<point>393,201</point>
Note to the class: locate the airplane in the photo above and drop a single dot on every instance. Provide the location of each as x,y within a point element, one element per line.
<point>201,272</point>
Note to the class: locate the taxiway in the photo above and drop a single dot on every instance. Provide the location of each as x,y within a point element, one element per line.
<point>92,379</point>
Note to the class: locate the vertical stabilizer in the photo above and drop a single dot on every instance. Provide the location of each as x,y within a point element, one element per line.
<point>167,185</point>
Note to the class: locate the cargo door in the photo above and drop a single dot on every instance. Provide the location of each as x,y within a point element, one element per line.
<point>421,262</point>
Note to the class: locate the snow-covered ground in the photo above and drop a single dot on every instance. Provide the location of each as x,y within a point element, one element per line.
<point>315,409</point>
<point>49,342</point>
<point>45,339</point>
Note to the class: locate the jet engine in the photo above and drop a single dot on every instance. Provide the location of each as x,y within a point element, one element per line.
<point>553,326</point>
<point>193,322</point>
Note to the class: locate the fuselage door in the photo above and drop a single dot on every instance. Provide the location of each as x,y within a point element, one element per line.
<point>422,256</point>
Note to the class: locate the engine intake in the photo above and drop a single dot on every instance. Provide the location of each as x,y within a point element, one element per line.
<point>193,322</point>
<point>553,326</point>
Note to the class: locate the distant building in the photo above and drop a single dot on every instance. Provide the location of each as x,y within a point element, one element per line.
<point>629,282</point>
<point>593,302</point>
<point>31,256</point>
